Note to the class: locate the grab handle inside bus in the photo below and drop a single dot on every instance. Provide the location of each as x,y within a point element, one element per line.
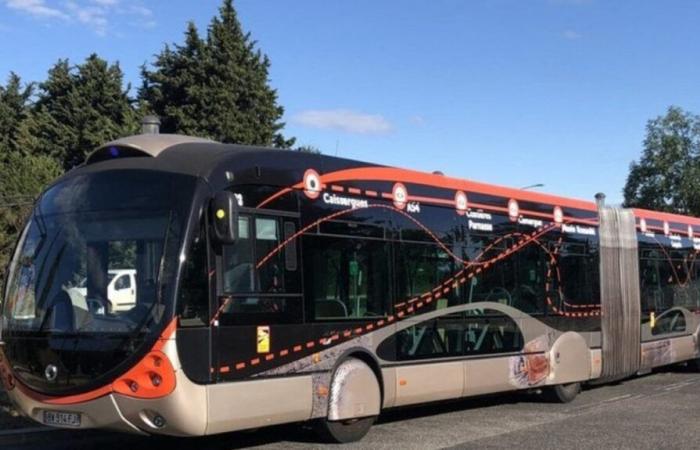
<point>225,211</point>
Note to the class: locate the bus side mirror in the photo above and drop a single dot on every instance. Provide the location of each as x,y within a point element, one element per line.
<point>224,212</point>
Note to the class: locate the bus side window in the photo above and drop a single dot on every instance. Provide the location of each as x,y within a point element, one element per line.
<point>259,281</point>
<point>489,331</point>
<point>238,261</point>
<point>255,263</point>
<point>671,322</point>
<point>476,332</point>
<point>346,278</point>
<point>271,271</point>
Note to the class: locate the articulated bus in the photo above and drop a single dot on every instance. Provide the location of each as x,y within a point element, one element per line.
<point>269,286</point>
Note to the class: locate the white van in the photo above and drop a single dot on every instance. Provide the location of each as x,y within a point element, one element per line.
<point>121,290</point>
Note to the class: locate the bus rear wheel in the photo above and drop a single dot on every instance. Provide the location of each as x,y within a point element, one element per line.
<point>562,393</point>
<point>344,431</point>
<point>694,365</point>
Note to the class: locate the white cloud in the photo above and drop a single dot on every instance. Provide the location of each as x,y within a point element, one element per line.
<point>344,120</point>
<point>140,10</point>
<point>36,8</point>
<point>141,16</point>
<point>571,35</point>
<point>94,17</point>
<point>95,14</point>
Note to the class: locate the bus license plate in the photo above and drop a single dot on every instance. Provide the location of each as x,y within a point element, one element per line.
<point>61,419</point>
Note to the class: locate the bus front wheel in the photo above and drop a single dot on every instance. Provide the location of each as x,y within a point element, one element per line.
<point>354,402</point>
<point>562,393</point>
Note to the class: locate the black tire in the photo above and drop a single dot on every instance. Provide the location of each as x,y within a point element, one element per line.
<point>694,365</point>
<point>562,393</point>
<point>344,431</point>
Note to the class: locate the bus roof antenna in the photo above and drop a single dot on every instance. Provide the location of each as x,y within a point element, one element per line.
<point>150,125</point>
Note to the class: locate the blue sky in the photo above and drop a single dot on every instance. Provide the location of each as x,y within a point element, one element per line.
<point>513,92</point>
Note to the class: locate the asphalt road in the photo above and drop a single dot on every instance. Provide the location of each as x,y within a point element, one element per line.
<point>656,411</point>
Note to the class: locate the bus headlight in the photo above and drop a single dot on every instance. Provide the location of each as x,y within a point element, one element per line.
<point>153,377</point>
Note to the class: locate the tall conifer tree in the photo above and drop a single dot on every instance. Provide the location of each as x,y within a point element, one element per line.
<point>14,108</point>
<point>215,87</point>
<point>77,109</point>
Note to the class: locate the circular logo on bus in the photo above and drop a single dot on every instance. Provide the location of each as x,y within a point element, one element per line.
<point>461,203</point>
<point>691,234</point>
<point>513,209</point>
<point>667,228</point>
<point>400,195</point>
<point>312,184</point>
<point>643,225</point>
<point>558,215</point>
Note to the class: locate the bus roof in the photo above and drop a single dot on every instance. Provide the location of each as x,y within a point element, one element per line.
<point>212,160</point>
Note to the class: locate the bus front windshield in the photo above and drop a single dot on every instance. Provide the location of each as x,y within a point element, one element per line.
<point>88,272</point>
<point>93,266</point>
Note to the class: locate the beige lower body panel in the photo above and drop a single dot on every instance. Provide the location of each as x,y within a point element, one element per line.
<point>429,382</point>
<point>389,378</point>
<point>596,363</point>
<point>486,376</point>
<point>251,404</point>
<point>668,351</point>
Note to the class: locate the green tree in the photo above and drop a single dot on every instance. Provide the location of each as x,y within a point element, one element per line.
<point>215,87</point>
<point>667,177</point>
<point>78,108</point>
<point>14,108</point>
<point>22,178</point>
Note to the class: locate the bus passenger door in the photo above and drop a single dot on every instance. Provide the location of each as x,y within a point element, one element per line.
<point>258,289</point>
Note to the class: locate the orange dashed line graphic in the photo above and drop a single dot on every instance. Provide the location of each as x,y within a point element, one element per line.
<point>461,277</point>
